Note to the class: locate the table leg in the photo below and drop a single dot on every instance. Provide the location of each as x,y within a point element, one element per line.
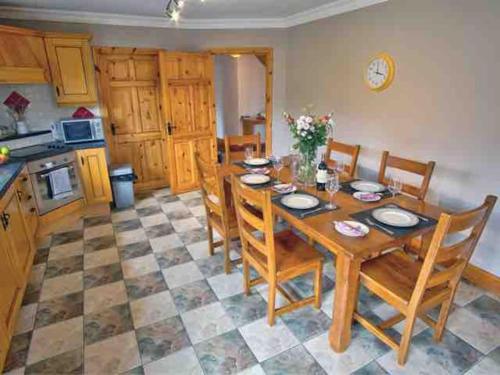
<point>346,299</point>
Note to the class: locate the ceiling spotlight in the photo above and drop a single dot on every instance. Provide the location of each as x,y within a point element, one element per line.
<point>173,8</point>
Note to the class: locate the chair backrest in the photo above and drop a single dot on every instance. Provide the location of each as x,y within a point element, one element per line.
<point>422,169</point>
<point>256,231</point>
<point>234,146</point>
<point>343,148</point>
<point>444,263</point>
<point>212,188</point>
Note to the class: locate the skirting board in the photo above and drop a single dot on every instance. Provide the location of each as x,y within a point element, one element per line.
<point>482,279</point>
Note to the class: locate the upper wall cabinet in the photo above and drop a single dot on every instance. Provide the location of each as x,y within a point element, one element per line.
<point>22,56</point>
<point>70,60</point>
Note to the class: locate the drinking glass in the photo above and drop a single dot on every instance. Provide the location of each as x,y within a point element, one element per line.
<point>395,185</point>
<point>332,187</point>
<point>294,169</point>
<point>248,153</point>
<point>278,165</point>
<point>339,166</point>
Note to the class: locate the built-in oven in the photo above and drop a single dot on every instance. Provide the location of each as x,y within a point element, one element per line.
<point>40,174</point>
<point>78,130</point>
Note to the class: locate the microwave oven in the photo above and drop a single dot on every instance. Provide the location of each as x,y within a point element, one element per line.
<point>78,130</point>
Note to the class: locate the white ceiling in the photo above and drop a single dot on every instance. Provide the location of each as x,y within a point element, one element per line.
<point>196,14</point>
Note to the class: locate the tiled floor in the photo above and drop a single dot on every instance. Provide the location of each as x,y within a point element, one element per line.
<point>136,292</point>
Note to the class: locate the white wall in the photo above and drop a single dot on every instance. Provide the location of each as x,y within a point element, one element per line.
<point>226,95</point>
<point>442,106</point>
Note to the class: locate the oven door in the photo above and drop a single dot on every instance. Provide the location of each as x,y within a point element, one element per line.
<point>43,195</point>
<point>77,131</point>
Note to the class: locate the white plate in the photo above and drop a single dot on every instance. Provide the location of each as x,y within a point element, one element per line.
<point>300,201</point>
<point>284,188</point>
<point>256,161</point>
<point>395,217</point>
<point>255,179</point>
<point>361,196</point>
<point>371,187</point>
<point>356,224</point>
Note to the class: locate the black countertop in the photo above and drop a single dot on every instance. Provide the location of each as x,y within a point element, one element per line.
<point>10,170</point>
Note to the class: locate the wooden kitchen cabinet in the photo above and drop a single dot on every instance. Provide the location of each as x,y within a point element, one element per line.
<point>22,56</point>
<point>94,175</point>
<point>72,68</point>
<point>27,200</point>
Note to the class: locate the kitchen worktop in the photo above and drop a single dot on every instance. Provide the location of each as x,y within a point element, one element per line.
<point>10,170</point>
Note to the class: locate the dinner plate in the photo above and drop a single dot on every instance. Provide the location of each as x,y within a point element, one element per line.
<point>352,228</point>
<point>256,162</point>
<point>255,179</point>
<point>365,196</point>
<point>368,186</point>
<point>395,217</point>
<point>300,201</point>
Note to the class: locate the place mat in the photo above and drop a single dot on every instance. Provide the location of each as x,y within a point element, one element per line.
<point>302,214</point>
<point>246,166</point>
<point>346,188</point>
<point>424,222</point>
<point>268,184</point>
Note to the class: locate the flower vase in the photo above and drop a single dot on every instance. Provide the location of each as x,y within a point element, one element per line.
<point>307,170</point>
<point>21,127</point>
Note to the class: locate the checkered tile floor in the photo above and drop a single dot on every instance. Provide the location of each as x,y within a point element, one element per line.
<point>136,292</point>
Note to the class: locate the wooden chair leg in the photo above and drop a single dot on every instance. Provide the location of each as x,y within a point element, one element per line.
<point>211,248</point>
<point>318,286</point>
<point>406,338</point>
<point>271,303</point>
<point>442,319</point>
<point>246,277</point>
<point>227,259</point>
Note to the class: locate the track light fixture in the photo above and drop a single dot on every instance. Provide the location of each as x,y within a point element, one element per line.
<point>173,9</point>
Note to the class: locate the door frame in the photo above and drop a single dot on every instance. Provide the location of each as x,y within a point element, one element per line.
<point>266,53</point>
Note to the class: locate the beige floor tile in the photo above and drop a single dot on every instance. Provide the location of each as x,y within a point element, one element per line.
<point>104,296</point>
<point>66,250</point>
<point>139,266</point>
<point>186,225</point>
<point>131,236</point>
<point>112,356</point>
<point>101,258</point>
<point>98,231</point>
<point>150,221</point>
<point>56,339</point>
<point>61,285</point>
<point>170,241</point>
<point>26,319</point>
<point>152,309</point>
<point>125,215</point>
<point>181,362</point>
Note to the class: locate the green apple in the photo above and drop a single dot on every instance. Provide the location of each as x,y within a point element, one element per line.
<point>4,150</point>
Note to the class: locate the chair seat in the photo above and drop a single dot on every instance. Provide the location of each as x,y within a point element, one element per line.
<point>292,253</point>
<point>395,275</point>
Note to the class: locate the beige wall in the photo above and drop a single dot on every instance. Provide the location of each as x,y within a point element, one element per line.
<point>444,103</point>
<point>226,95</point>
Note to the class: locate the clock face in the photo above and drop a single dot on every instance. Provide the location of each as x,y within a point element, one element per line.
<point>379,73</point>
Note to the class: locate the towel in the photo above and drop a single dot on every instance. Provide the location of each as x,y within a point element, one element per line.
<point>60,183</point>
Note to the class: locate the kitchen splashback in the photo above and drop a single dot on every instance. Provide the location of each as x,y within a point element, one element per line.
<point>43,110</point>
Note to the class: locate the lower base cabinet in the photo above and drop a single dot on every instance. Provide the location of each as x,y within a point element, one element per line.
<point>94,175</point>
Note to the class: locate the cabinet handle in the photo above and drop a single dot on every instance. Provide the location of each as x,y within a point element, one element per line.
<point>82,160</point>
<point>20,194</point>
<point>5,220</point>
<point>33,210</point>
<point>113,129</point>
<point>57,91</point>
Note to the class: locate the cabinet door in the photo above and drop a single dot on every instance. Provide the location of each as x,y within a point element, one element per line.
<point>22,56</point>
<point>95,176</point>
<point>17,233</point>
<point>10,289</point>
<point>27,200</point>
<point>72,70</point>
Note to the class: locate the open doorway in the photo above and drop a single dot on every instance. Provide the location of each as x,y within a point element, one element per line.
<point>243,94</point>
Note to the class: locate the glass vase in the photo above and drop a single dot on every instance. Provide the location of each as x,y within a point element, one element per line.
<point>307,169</point>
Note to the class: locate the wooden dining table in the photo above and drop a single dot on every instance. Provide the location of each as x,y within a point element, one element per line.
<point>350,252</point>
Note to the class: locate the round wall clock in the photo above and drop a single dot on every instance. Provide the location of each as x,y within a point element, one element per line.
<point>380,72</point>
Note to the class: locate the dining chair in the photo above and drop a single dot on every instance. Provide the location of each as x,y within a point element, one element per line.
<point>414,286</point>
<point>234,146</point>
<point>277,257</point>
<point>351,150</point>
<point>415,167</point>
<point>221,216</point>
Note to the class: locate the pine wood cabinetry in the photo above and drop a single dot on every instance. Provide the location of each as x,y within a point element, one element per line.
<point>94,175</point>
<point>22,56</point>
<point>70,60</point>
<point>16,254</point>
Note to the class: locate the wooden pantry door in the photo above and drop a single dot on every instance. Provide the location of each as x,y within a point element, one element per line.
<point>189,110</point>
<point>130,96</point>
